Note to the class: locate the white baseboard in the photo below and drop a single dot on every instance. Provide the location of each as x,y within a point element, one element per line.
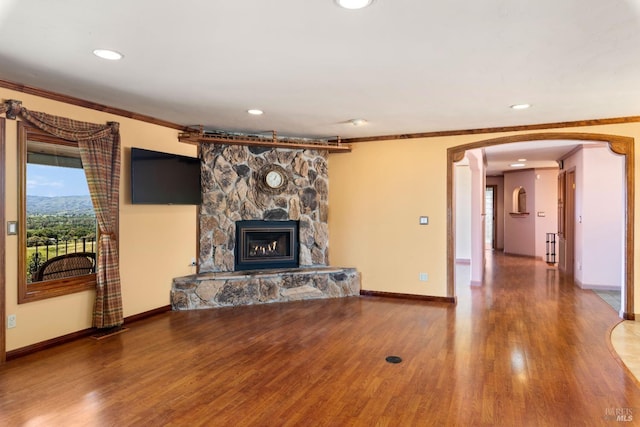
<point>591,287</point>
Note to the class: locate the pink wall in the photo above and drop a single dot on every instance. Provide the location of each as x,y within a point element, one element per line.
<point>599,246</point>
<point>463,212</point>
<point>519,231</point>
<point>476,165</point>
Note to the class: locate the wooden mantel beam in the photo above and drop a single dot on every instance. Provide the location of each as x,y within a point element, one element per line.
<point>197,137</point>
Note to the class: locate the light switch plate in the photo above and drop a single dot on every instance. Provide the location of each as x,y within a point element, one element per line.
<point>424,220</point>
<point>12,227</point>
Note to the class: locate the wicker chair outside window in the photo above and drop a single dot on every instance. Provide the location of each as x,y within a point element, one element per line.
<point>69,265</point>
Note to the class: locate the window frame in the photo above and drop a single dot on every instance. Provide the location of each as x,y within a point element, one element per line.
<point>28,292</point>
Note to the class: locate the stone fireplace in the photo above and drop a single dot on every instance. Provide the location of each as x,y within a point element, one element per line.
<point>231,178</point>
<point>234,195</point>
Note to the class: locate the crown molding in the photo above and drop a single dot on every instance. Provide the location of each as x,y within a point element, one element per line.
<point>88,104</point>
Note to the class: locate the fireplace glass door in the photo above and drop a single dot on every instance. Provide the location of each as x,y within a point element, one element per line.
<point>266,244</point>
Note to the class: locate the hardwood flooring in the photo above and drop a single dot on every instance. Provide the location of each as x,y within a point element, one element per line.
<point>526,349</point>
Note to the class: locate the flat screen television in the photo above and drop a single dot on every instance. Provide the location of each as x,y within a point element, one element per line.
<point>164,179</point>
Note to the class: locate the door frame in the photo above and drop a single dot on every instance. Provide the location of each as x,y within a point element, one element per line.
<point>494,231</point>
<point>622,145</point>
<point>570,223</point>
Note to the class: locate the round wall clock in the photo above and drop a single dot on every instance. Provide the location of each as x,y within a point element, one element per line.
<point>273,179</point>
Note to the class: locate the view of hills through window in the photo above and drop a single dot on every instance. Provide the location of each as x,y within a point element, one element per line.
<point>60,215</point>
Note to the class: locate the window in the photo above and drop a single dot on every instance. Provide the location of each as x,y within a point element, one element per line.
<point>57,226</point>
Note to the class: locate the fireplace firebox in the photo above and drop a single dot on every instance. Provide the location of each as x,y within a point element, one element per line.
<point>266,244</point>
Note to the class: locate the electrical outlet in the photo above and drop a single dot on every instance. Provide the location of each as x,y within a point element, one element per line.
<point>11,321</point>
<point>424,277</point>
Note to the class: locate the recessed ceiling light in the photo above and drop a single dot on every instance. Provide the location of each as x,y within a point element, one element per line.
<point>520,106</point>
<point>522,160</point>
<point>358,122</point>
<point>517,165</point>
<point>255,112</point>
<point>354,4</point>
<point>111,55</point>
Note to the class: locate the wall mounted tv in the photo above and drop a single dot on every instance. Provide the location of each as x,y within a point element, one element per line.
<point>164,179</point>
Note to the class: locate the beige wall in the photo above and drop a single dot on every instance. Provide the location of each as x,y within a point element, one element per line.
<point>376,195</point>
<point>157,243</point>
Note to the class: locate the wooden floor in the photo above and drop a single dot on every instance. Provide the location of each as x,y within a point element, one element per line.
<point>527,349</point>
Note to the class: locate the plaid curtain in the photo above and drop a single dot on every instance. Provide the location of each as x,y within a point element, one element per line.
<point>100,154</point>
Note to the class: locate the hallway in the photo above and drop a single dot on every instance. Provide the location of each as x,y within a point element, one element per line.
<point>549,341</point>
<point>525,349</point>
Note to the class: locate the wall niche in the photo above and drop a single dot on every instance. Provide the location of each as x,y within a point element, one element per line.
<point>519,202</point>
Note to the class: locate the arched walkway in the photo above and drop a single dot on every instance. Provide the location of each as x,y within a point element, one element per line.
<point>619,144</point>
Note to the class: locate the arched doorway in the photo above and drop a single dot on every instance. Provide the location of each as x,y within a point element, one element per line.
<point>618,144</point>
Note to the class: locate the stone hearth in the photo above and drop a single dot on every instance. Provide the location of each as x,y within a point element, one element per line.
<point>212,290</point>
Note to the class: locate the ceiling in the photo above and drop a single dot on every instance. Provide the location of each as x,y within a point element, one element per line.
<point>406,66</point>
<point>529,154</point>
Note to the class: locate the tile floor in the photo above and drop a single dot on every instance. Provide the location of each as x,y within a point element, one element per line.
<point>625,336</point>
<point>611,297</point>
<point>625,339</point>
